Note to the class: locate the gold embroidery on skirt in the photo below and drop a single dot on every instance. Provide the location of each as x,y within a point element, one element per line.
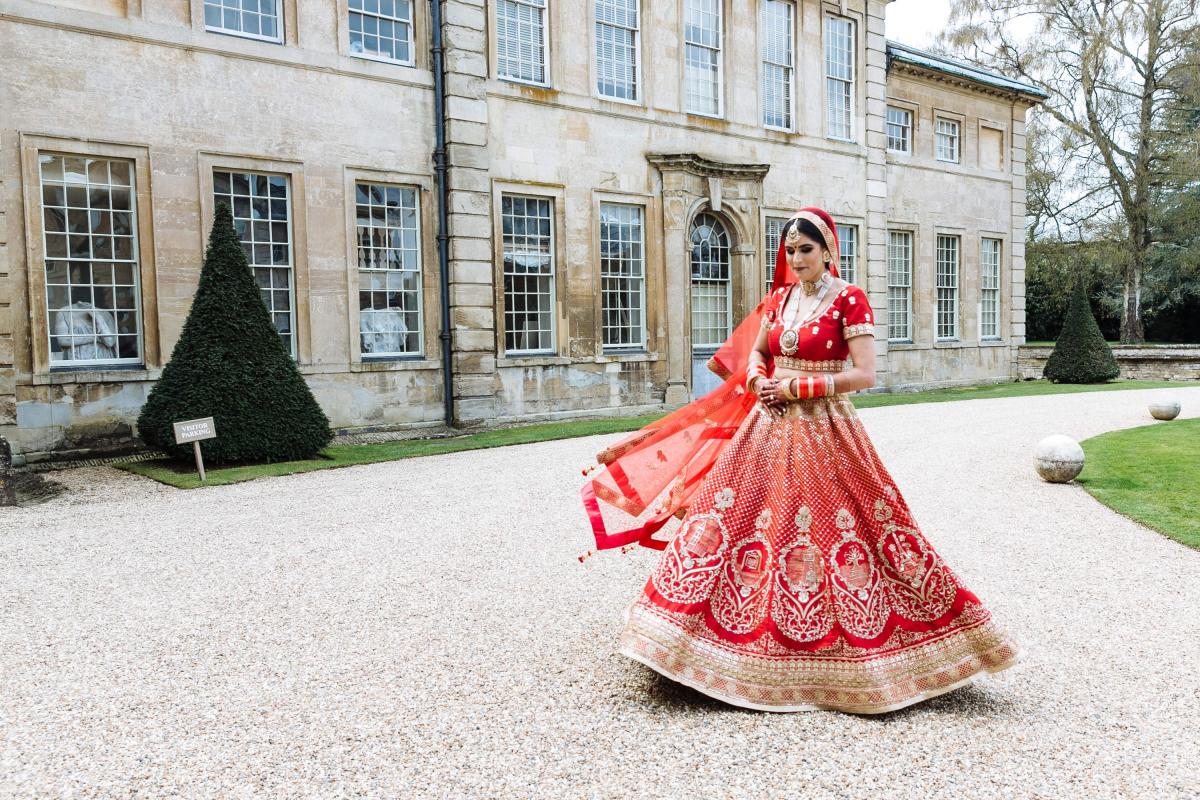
<point>895,676</point>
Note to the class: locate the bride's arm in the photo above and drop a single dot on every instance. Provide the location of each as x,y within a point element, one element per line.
<point>862,374</point>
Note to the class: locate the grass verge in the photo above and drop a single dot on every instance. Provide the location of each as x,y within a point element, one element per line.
<point>1149,474</point>
<point>183,475</point>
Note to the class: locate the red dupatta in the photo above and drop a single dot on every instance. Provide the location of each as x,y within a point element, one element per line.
<point>667,460</point>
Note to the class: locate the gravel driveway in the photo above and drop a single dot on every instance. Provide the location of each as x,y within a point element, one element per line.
<point>423,629</point>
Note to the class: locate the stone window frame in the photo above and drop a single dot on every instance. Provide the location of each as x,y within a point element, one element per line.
<point>913,233</point>
<point>31,145</point>
<point>914,117</point>
<point>960,236</point>
<point>549,28</point>
<point>834,12</point>
<point>288,33</point>
<point>722,52</point>
<point>556,193</point>
<point>941,115</point>
<point>416,36</point>
<point>733,284</point>
<point>1005,156</point>
<point>859,224</point>
<point>599,199</point>
<point>420,36</point>
<point>766,214</point>
<point>431,304</point>
<point>1002,293</point>
<point>639,39</point>
<point>793,104</point>
<point>207,162</point>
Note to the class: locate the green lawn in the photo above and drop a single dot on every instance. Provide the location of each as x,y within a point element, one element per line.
<point>1022,389</point>
<point>1149,474</point>
<point>183,475</point>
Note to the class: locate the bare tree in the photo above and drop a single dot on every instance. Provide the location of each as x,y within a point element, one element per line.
<point>1112,69</point>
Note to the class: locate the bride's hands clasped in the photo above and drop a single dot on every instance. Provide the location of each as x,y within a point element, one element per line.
<point>770,393</point>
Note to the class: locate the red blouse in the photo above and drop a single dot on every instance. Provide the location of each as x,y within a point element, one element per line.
<point>821,343</point>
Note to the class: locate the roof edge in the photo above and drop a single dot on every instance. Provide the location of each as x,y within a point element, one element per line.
<point>913,56</point>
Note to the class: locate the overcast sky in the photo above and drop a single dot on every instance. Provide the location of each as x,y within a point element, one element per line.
<point>916,22</point>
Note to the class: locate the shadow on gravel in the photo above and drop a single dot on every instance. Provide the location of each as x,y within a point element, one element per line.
<point>32,488</point>
<point>972,700</point>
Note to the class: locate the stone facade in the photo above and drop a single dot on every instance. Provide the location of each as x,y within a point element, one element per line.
<point>181,103</point>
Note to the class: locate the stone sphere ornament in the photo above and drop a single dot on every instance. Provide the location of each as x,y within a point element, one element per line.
<point>1059,459</point>
<point>1165,406</point>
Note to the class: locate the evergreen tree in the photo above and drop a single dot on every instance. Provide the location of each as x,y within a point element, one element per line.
<point>231,364</point>
<point>1081,355</point>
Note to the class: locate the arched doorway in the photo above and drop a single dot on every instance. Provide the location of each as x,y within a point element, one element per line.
<point>711,295</point>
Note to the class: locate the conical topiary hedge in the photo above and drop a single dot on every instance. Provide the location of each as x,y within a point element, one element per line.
<point>230,364</point>
<point>1081,355</point>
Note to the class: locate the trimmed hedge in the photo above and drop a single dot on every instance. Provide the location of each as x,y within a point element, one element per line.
<point>1081,355</point>
<point>231,364</point>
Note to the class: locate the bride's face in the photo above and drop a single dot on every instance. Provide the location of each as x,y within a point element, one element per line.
<point>804,257</point>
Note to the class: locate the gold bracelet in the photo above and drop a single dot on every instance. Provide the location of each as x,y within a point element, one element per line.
<point>785,389</point>
<point>830,387</point>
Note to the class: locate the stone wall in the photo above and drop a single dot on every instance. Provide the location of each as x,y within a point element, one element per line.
<point>970,199</point>
<point>177,101</point>
<point>1137,362</point>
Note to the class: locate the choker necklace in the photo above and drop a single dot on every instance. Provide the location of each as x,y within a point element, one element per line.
<point>810,287</point>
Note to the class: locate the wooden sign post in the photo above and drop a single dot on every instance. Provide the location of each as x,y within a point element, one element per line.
<point>196,431</point>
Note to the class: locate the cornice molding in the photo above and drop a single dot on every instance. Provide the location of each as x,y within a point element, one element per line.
<point>706,167</point>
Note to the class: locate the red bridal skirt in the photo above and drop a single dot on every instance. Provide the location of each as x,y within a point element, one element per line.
<point>799,580</point>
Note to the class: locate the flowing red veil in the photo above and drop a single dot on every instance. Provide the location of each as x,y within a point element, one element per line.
<point>665,462</point>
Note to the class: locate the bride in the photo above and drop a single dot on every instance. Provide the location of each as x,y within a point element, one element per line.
<point>798,578</point>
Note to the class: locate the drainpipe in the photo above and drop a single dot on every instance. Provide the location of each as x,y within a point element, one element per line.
<point>439,179</point>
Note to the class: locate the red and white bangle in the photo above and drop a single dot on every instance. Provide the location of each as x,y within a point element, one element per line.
<point>810,386</point>
<point>753,373</point>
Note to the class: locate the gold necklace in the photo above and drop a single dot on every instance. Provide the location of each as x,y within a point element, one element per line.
<point>789,339</point>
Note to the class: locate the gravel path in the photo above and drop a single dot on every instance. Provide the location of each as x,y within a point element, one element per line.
<point>423,629</point>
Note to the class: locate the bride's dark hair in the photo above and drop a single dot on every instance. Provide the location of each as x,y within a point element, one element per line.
<point>805,227</point>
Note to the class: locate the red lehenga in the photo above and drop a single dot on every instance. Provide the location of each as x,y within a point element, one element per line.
<point>798,578</point>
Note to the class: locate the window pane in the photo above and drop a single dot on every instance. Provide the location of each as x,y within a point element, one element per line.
<point>616,48</point>
<point>702,57</point>
<point>848,244</point>
<point>773,229</point>
<point>776,28</point>
<point>268,245</point>
<point>521,40</point>
<point>989,261</point>
<point>382,29</point>
<point>528,274</point>
<point>946,136</point>
<point>947,287</point>
<point>899,130</point>
<point>622,275</point>
<point>839,77</point>
<point>389,270</point>
<point>899,261</point>
<point>258,19</point>
<point>93,302</point>
<point>710,267</point>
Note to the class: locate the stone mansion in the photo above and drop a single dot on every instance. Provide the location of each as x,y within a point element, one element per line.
<point>565,220</point>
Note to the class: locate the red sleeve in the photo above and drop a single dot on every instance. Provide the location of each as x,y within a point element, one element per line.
<point>857,317</point>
